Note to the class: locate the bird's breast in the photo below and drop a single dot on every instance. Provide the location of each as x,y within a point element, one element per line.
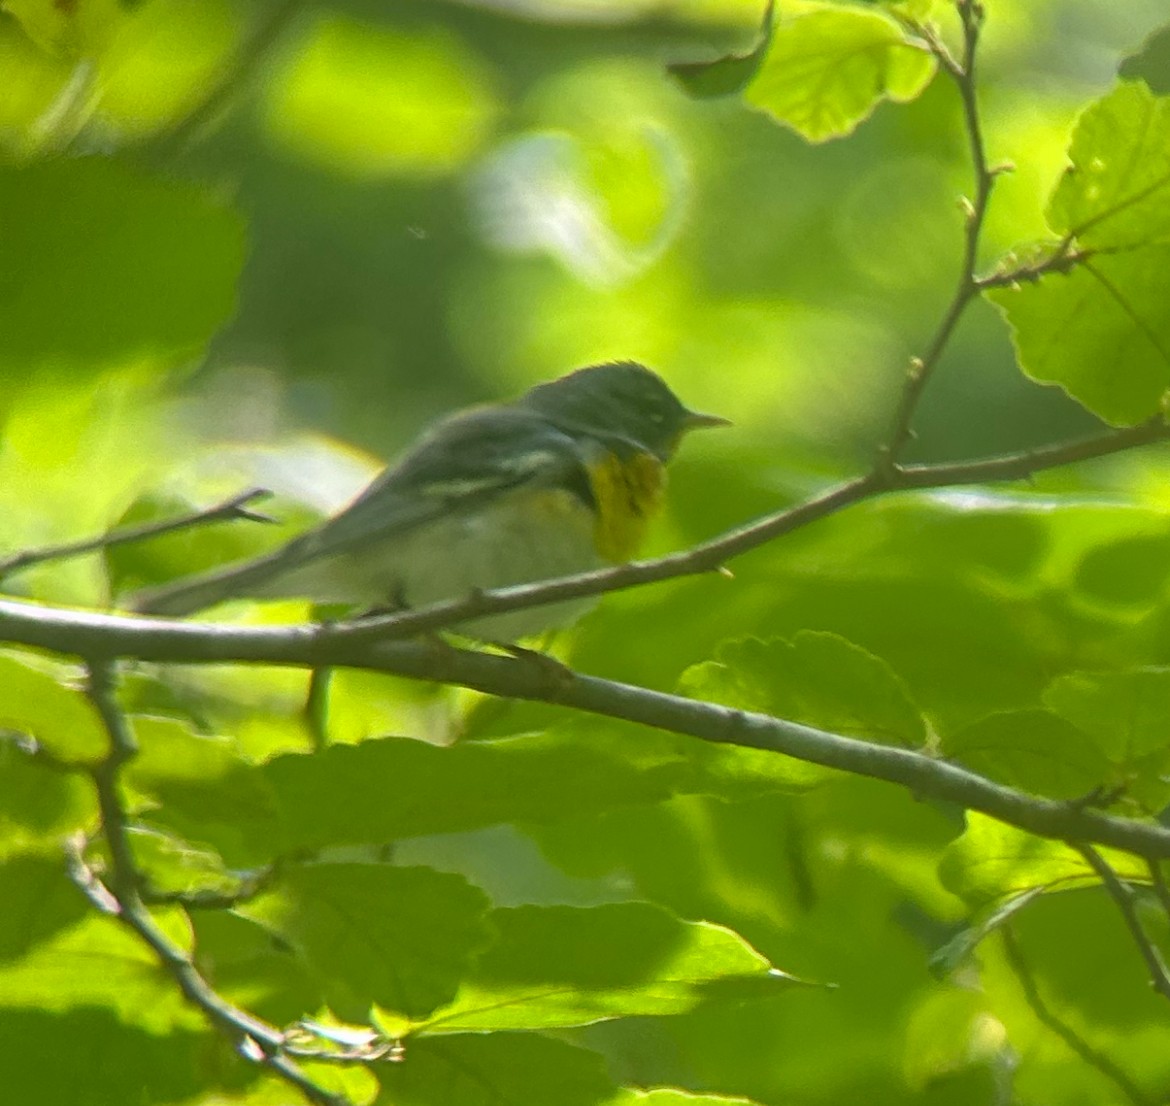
<point>628,492</point>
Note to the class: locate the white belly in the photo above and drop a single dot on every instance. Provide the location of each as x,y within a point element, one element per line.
<point>516,540</point>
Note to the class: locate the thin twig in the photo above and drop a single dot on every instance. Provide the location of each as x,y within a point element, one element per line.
<point>1063,258</point>
<point>962,72</point>
<point>711,555</point>
<point>1045,1016</point>
<point>253,1037</point>
<point>1122,895</point>
<point>228,510</point>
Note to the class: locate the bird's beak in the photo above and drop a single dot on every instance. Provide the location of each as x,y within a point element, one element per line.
<point>696,420</point>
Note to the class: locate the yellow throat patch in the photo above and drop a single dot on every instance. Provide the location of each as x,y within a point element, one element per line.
<point>628,492</point>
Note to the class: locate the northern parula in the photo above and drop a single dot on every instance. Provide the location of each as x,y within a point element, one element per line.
<point>561,480</point>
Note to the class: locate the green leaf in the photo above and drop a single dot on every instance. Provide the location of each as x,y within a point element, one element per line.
<point>251,814</point>
<point>39,901</point>
<point>519,1069</point>
<point>1124,712</point>
<point>672,1096</point>
<point>88,1057</point>
<point>1089,974</point>
<point>826,71</point>
<point>727,75</point>
<point>557,966</point>
<point>917,10</point>
<point>957,952</point>
<point>817,678</point>
<point>1034,750</point>
<point>102,263</point>
<point>209,794</point>
<point>1151,63</point>
<point>99,962</point>
<point>1116,192</point>
<point>170,750</point>
<point>173,866</point>
<point>39,803</point>
<point>1124,715</point>
<point>355,1083</point>
<point>991,860</point>
<point>1102,330</point>
<point>398,937</point>
<point>248,964</point>
<point>41,700</point>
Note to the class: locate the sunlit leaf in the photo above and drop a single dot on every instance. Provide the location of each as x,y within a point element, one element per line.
<point>948,1033</point>
<point>826,71</point>
<point>1102,330</point>
<point>192,44</point>
<point>44,702</point>
<point>72,29</point>
<point>1116,191</point>
<point>992,860</point>
<point>672,1096</point>
<point>564,966</point>
<point>99,962</point>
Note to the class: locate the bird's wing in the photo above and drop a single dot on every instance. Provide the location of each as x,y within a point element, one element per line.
<point>466,461</point>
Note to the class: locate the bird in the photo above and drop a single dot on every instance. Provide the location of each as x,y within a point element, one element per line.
<point>563,479</point>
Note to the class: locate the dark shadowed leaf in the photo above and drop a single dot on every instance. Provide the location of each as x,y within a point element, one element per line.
<point>519,1069</point>
<point>398,937</point>
<point>102,262</point>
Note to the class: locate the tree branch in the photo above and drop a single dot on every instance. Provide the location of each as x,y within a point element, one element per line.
<point>107,636</point>
<point>1122,895</point>
<point>234,508</point>
<point>119,897</point>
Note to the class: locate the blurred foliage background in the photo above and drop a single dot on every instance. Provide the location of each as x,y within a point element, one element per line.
<point>263,243</point>
<point>443,202</point>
